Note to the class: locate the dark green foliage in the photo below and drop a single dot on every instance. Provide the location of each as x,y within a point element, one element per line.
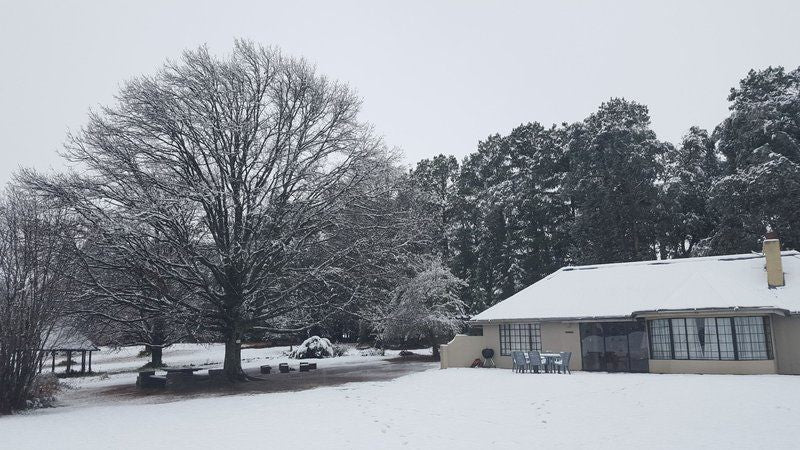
<point>761,186</point>
<point>615,161</point>
<point>607,190</point>
<point>684,218</point>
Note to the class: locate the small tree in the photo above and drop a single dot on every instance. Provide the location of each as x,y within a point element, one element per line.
<point>34,248</point>
<point>423,306</point>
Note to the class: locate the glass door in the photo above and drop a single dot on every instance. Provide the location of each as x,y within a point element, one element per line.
<point>614,346</point>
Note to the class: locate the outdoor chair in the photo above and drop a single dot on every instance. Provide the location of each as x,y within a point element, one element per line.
<point>534,361</point>
<point>563,362</point>
<point>518,363</point>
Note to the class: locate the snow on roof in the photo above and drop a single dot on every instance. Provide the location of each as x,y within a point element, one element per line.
<point>67,338</point>
<point>619,290</point>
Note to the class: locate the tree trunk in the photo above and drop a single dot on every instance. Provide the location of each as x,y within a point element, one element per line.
<point>233,358</point>
<point>435,345</point>
<point>363,332</point>
<point>155,356</point>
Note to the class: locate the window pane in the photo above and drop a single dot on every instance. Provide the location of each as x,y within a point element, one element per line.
<point>725,335</point>
<point>751,338</point>
<point>679,339</point>
<point>701,334</point>
<point>660,339</point>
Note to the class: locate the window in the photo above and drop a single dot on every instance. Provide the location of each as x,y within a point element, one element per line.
<point>519,337</point>
<point>751,338</point>
<point>715,338</point>
<point>660,342</point>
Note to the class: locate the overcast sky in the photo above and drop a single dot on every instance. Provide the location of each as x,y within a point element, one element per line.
<point>436,77</point>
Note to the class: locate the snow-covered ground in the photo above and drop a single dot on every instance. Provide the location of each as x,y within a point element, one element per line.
<point>453,408</point>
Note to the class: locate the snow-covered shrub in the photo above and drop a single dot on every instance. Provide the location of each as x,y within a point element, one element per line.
<point>373,352</point>
<point>340,349</point>
<point>313,347</point>
<point>44,390</point>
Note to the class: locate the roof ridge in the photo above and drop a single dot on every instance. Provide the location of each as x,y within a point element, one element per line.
<point>658,262</point>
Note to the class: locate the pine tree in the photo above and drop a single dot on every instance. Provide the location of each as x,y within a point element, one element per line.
<point>614,161</point>
<point>690,170</point>
<point>760,140</point>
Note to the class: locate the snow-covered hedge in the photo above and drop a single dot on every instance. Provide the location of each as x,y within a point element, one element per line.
<point>314,347</point>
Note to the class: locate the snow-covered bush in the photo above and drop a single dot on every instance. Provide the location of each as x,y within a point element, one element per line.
<point>373,352</point>
<point>340,349</point>
<point>313,347</point>
<point>44,390</point>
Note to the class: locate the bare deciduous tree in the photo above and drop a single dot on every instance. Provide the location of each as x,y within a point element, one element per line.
<point>229,177</point>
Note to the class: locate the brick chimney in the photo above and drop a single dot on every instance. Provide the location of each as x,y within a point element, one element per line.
<point>772,253</point>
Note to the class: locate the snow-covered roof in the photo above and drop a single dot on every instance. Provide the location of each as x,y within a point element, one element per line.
<point>67,338</point>
<point>620,290</point>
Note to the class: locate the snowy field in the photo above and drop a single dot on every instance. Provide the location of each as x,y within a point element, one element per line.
<point>453,408</point>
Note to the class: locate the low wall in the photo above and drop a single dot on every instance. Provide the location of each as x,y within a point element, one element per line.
<point>713,367</point>
<point>461,351</point>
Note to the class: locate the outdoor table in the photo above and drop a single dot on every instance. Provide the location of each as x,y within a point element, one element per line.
<point>550,360</point>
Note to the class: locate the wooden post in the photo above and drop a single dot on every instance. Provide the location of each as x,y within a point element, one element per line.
<point>69,360</point>
<point>83,361</point>
<point>90,361</point>
<point>54,361</point>
<point>41,360</point>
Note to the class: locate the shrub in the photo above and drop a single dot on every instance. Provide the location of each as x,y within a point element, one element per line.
<point>373,352</point>
<point>340,349</point>
<point>313,347</point>
<point>44,390</point>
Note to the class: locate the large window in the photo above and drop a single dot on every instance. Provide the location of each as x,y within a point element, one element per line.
<point>519,337</point>
<point>715,338</point>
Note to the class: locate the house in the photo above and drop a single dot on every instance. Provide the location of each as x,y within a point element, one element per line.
<point>734,314</point>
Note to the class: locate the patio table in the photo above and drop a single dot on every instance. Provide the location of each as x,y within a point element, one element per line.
<point>550,359</point>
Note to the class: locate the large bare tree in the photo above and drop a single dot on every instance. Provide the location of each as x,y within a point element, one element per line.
<point>230,177</point>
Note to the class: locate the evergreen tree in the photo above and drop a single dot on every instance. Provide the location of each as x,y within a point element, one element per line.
<point>760,142</point>
<point>615,160</point>
<point>689,173</point>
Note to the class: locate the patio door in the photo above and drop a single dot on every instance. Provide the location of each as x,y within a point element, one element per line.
<point>614,346</point>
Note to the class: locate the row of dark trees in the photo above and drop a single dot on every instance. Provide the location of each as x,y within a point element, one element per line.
<point>607,190</point>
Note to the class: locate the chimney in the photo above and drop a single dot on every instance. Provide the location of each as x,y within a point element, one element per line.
<point>772,253</point>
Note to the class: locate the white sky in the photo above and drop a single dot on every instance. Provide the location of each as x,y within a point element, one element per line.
<point>436,77</point>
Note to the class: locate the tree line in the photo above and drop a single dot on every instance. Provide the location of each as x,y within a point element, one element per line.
<point>606,189</point>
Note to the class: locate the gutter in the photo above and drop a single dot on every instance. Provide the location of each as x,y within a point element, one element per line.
<point>637,314</point>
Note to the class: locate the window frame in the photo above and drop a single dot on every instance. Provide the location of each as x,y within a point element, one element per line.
<point>529,333</point>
